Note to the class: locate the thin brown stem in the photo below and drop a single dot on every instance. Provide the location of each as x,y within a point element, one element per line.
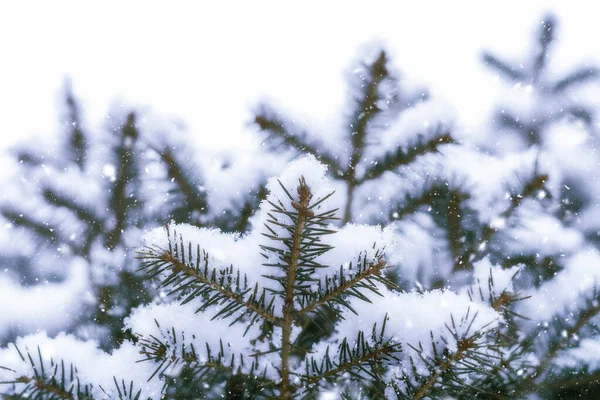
<point>374,355</point>
<point>348,208</point>
<point>374,269</point>
<point>463,346</point>
<point>46,387</point>
<point>286,389</point>
<point>180,266</point>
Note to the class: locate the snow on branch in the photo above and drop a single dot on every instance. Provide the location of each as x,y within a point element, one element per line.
<point>238,305</point>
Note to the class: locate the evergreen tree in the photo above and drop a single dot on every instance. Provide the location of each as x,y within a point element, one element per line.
<point>366,146</point>
<point>479,282</point>
<point>234,319</point>
<point>79,202</point>
<point>551,99</point>
<point>553,117</point>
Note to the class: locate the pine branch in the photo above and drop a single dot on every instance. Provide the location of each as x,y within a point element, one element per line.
<point>194,199</point>
<point>560,341</point>
<point>336,289</point>
<point>39,228</point>
<point>288,135</point>
<point>472,356</point>
<point>545,38</point>
<point>578,77</point>
<point>225,287</point>
<point>304,213</point>
<point>365,111</point>
<point>403,156</point>
<point>77,144</point>
<point>173,351</point>
<point>57,381</point>
<point>119,201</point>
<point>512,73</point>
<point>479,248</point>
<point>353,357</point>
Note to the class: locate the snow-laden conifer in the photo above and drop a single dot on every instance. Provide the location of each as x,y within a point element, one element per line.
<point>237,305</point>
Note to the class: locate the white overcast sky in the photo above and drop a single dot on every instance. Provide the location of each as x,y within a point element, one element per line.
<point>207,63</point>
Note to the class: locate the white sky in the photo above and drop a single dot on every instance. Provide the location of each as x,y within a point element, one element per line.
<point>207,64</point>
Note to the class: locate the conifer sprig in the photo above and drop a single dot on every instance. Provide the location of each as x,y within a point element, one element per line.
<point>296,230</point>
<point>375,99</point>
<point>172,351</point>
<point>190,276</point>
<point>53,381</point>
<point>533,71</point>
<point>338,289</point>
<point>404,155</point>
<point>465,353</point>
<point>354,357</point>
<point>285,134</point>
<point>479,248</point>
<point>189,201</point>
<point>558,335</point>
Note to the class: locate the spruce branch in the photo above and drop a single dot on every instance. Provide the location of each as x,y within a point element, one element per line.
<point>478,249</point>
<point>545,38</point>
<point>287,134</point>
<point>578,77</point>
<point>95,224</point>
<point>561,339</point>
<point>470,355</point>
<point>354,357</point>
<point>508,120</point>
<point>510,72</point>
<point>374,100</point>
<point>337,289</point>
<point>405,155</point>
<point>120,201</point>
<point>52,381</point>
<point>366,109</point>
<point>584,378</point>
<point>28,157</point>
<point>533,126</point>
<point>194,199</point>
<point>77,143</point>
<point>39,228</point>
<point>454,224</point>
<point>304,213</point>
<point>463,346</point>
<point>61,200</point>
<point>432,193</point>
<point>582,113</point>
<point>125,392</point>
<point>194,278</point>
<point>172,351</point>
